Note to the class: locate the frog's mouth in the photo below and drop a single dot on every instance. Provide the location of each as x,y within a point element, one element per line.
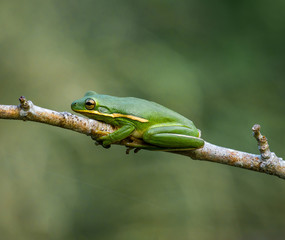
<point>112,115</point>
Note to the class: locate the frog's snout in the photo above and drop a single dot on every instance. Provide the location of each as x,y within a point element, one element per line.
<point>73,105</point>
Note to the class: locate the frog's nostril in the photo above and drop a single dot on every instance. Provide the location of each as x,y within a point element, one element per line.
<point>73,104</point>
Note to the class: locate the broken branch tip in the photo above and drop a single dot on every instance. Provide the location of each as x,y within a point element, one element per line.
<point>256,127</point>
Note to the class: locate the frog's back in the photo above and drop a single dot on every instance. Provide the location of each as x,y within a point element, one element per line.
<point>149,110</point>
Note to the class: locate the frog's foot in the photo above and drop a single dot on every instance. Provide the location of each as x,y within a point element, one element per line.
<point>97,143</point>
<point>131,148</point>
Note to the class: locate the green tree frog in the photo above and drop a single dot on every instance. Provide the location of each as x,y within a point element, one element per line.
<point>158,126</point>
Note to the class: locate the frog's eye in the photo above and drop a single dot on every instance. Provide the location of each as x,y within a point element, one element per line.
<point>90,104</point>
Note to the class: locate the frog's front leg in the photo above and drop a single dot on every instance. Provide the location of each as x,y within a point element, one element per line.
<point>173,137</point>
<point>116,136</point>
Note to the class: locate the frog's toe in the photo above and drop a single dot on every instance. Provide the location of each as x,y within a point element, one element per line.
<point>106,146</point>
<point>106,143</point>
<point>131,148</point>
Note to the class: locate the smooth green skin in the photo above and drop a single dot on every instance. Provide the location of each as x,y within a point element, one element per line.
<point>165,129</point>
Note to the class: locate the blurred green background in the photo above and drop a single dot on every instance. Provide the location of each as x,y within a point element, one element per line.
<point>220,63</point>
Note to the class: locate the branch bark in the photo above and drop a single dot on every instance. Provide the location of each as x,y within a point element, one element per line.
<point>267,162</point>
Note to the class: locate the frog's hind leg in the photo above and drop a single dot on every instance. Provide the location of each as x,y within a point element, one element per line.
<point>173,137</point>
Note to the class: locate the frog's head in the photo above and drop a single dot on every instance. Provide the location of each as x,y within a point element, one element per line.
<point>87,104</point>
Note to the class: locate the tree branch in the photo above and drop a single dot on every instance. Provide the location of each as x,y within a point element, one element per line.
<point>267,162</point>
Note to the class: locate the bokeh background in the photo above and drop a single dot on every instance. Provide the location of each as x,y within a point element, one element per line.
<point>220,63</point>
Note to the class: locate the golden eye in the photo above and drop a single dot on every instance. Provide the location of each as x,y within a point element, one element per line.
<point>90,104</point>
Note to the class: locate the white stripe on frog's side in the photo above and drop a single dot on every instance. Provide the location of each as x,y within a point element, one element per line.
<point>113,115</point>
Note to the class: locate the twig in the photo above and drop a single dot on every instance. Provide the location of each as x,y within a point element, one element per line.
<point>267,162</point>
